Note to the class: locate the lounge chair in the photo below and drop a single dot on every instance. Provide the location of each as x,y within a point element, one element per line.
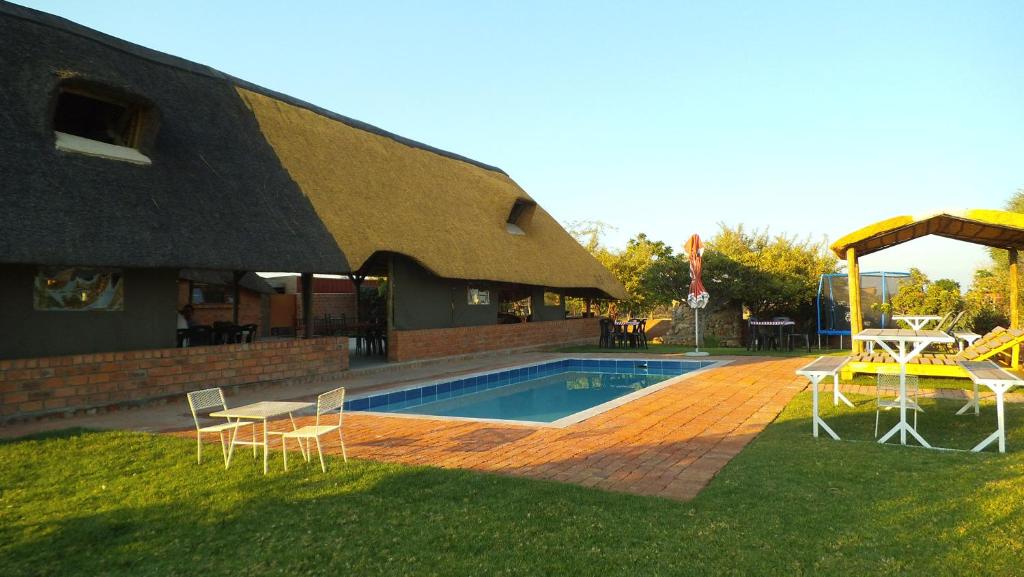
<point>998,343</point>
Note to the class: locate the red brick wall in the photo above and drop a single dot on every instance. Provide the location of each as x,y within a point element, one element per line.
<point>250,308</point>
<point>334,304</point>
<point>428,343</point>
<point>32,387</point>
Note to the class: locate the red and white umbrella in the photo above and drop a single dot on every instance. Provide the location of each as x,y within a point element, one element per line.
<point>698,297</point>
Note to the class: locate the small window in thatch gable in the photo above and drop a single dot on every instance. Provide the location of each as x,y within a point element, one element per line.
<point>87,121</point>
<point>520,216</point>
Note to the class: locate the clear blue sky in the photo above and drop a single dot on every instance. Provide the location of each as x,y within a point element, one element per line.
<point>814,118</point>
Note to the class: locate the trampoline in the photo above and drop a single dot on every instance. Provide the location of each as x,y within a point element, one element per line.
<point>876,288</point>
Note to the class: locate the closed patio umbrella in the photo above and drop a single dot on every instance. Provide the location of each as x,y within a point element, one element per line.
<point>697,298</point>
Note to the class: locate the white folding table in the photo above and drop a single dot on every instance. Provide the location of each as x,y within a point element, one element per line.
<point>263,410</point>
<point>999,380</point>
<point>917,322</point>
<point>817,371</point>
<point>965,336</point>
<point>909,344</point>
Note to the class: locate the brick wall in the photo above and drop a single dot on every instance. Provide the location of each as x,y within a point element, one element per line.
<point>33,387</point>
<point>335,304</point>
<point>250,308</point>
<point>428,343</point>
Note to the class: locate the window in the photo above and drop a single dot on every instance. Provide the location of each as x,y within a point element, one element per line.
<point>89,121</point>
<point>477,296</point>
<point>79,289</point>
<point>552,299</point>
<point>520,216</point>
<point>210,294</point>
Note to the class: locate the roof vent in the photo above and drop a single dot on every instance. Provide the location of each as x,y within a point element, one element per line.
<point>100,122</point>
<point>519,217</point>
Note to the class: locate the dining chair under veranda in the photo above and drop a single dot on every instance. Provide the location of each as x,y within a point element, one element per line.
<point>887,395</point>
<point>201,403</point>
<point>326,404</point>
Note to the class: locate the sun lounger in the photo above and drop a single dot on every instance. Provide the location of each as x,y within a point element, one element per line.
<point>999,343</point>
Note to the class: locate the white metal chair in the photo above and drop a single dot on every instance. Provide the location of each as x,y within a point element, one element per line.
<point>887,395</point>
<point>325,404</point>
<point>201,402</point>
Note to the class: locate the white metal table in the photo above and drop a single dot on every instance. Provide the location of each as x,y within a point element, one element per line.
<point>816,372</point>
<point>999,380</point>
<point>968,336</point>
<point>909,344</point>
<point>263,410</point>
<point>917,322</point>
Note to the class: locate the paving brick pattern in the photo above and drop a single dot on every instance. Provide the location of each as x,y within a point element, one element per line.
<point>669,443</point>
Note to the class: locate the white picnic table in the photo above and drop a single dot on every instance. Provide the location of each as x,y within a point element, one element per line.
<point>263,410</point>
<point>909,344</point>
<point>917,322</point>
<point>999,380</point>
<point>965,336</point>
<point>816,372</point>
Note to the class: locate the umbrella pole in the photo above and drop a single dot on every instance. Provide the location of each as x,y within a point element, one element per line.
<point>696,330</point>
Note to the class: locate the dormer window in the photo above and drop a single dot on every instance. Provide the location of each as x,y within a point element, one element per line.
<point>520,216</point>
<point>87,120</point>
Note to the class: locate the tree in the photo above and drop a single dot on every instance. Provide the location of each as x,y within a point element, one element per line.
<point>920,296</point>
<point>771,275</point>
<point>986,302</point>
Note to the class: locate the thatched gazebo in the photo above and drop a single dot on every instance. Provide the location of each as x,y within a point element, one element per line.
<point>992,228</point>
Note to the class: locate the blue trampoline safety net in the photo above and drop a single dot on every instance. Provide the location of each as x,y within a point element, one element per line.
<point>834,300</point>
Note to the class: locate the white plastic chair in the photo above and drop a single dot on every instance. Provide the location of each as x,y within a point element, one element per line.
<point>325,404</point>
<point>887,395</point>
<point>201,402</point>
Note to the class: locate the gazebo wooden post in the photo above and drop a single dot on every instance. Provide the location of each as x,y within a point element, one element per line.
<point>1014,302</point>
<point>307,305</point>
<point>856,320</point>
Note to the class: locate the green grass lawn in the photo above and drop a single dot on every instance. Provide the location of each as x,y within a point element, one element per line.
<point>113,503</point>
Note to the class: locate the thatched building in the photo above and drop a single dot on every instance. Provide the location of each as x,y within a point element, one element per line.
<point>122,167</point>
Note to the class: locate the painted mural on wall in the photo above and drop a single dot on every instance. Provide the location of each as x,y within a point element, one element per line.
<point>79,289</point>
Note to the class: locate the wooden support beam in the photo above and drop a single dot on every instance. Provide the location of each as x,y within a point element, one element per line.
<point>1014,290</point>
<point>307,305</point>
<point>856,319</point>
<point>236,295</point>
<point>357,280</point>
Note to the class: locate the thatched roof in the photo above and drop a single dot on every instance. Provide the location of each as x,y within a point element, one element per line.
<point>377,195</point>
<point>994,228</point>
<point>215,196</point>
<point>244,178</point>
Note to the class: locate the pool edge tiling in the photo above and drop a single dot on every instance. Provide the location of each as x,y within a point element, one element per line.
<point>423,393</point>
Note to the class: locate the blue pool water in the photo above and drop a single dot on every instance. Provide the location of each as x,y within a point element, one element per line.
<point>544,392</point>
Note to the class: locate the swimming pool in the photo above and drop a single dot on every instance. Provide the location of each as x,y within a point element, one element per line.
<point>557,392</point>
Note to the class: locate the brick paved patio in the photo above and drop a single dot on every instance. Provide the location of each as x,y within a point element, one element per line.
<point>669,443</point>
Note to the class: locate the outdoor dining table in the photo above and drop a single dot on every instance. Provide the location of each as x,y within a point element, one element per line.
<point>917,322</point>
<point>263,410</point>
<point>909,344</point>
<point>999,380</point>
<point>781,324</point>
<point>965,336</point>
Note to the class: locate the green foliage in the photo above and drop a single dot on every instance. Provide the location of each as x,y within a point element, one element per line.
<point>986,301</point>
<point>921,296</point>
<point>771,275</point>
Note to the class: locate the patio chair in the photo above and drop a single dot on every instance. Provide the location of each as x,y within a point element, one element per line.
<point>201,403</point>
<point>325,404</point>
<point>887,395</point>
